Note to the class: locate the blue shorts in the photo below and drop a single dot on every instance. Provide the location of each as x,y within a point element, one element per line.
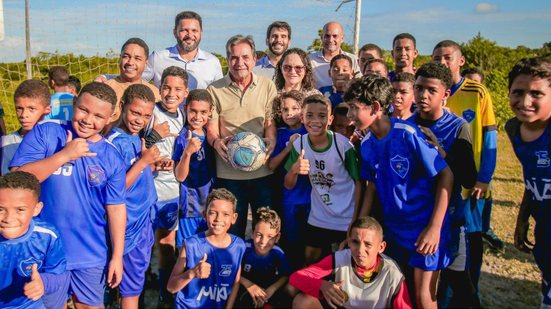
<point>404,256</point>
<point>473,214</point>
<point>165,214</point>
<point>188,227</point>
<point>58,298</point>
<point>135,264</point>
<point>88,285</point>
<point>294,222</point>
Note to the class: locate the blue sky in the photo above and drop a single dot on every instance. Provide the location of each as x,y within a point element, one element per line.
<point>95,27</point>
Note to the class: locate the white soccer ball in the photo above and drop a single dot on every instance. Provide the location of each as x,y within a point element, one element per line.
<point>246,151</point>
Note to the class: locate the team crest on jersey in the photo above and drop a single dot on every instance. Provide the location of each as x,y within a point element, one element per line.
<point>26,266</point>
<point>400,165</point>
<point>225,271</point>
<point>95,175</point>
<point>247,268</point>
<point>543,158</point>
<point>469,115</point>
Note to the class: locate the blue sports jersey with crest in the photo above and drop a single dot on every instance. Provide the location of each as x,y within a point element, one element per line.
<point>41,245</point>
<point>202,170</point>
<point>403,166</point>
<point>535,157</point>
<point>62,106</point>
<point>264,270</point>
<point>76,195</point>
<point>212,292</point>
<point>141,195</point>
<point>300,194</point>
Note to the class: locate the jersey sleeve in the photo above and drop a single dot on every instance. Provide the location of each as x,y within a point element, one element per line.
<point>402,300</point>
<point>120,144</point>
<point>180,145</point>
<point>54,267</point>
<point>366,170</point>
<point>309,280</point>
<point>427,155</point>
<point>293,157</point>
<point>116,185</point>
<point>351,163</point>
<point>33,147</point>
<point>280,144</point>
<point>284,266</point>
<point>487,111</point>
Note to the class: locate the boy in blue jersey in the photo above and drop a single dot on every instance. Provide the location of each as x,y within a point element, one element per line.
<point>33,260</point>
<point>137,107</point>
<point>195,165</point>
<point>451,134</point>
<point>207,272</point>
<point>413,183</point>
<point>295,202</point>
<point>62,99</point>
<point>341,72</point>
<point>530,134</point>
<point>83,185</point>
<point>32,103</point>
<point>265,267</point>
<point>331,164</point>
<point>402,106</point>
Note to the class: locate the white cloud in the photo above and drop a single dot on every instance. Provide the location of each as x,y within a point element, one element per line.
<point>484,8</point>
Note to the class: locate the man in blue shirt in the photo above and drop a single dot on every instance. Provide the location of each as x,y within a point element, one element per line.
<point>278,38</point>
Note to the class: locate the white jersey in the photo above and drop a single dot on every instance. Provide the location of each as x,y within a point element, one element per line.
<point>378,293</point>
<point>165,182</point>
<point>9,145</point>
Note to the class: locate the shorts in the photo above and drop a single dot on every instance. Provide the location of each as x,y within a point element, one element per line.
<point>318,237</point>
<point>458,249</point>
<point>88,285</point>
<point>188,227</point>
<point>410,257</point>
<point>58,298</point>
<point>165,214</point>
<point>135,264</point>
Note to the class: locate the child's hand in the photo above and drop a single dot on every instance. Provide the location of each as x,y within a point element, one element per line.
<point>114,273</point>
<point>428,240</point>
<point>333,294</point>
<point>202,269</point>
<point>292,139</point>
<point>302,166</point>
<point>433,140</point>
<point>258,295</point>
<point>151,155</point>
<point>219,145</point>
<point>479,190</point>
<point>193,144</point>
<point>34,289</point>
<point>270,145</point>
<point>76,148</point>
<point>163,129</point>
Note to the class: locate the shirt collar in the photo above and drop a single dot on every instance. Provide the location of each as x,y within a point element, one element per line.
<point>173,52</point>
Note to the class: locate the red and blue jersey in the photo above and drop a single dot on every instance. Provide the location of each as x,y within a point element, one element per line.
<point>76,195</point>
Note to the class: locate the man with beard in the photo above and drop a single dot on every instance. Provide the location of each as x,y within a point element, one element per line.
<point>278,38</point>
<point>331,37</point>
<point>202,67</point>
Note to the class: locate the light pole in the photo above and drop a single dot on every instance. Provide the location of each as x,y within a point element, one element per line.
<point>356,22</point>
<point>28,42</point>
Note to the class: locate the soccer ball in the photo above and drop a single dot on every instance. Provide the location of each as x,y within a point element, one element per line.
<point>246,151</point>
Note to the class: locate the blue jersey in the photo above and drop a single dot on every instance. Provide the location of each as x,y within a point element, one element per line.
<point>403,167</point>
<point>41,245</point>
<point>300,194</point>
<point>202,169</point>
<point>334,96</point>
<point>76,194</point>
<point>535,157</point>
<point>264,270</point>
<point>212,292</point>
<point>141,195</point>
<point>62,106</point>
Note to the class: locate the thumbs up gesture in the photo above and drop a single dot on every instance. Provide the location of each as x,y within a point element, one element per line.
<point>151,155</point>
<point>76,148</point>
<point>193,144</point>
<point>34,289</point>
<point>301,166</point>
<point>202,269</point>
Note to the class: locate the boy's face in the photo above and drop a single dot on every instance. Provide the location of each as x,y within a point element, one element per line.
<point>90,116</point>
<point>132,63</point>
<point>29,111</point>
<point>365,56</point>
<point>404,53</point>
<point>136,115</point>
<point>474,76</point>
<point>361,115</point>
<point>341,73</point>
<point>17,208</point>
<point>530,98</point>
<point>404,95</point>
<point>376,68</point>
<point>430,96</point>
<point>198,113</point>
<point>173,92</point>
<point>220,217</point>
<point>342,125</point>
<point>316,117</point>
<point>365,245</point>
<point>290,112</point>
<point>450,57</point>
<point>264,238</point>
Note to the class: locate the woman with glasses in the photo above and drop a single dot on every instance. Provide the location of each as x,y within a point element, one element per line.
<point>294,72</point>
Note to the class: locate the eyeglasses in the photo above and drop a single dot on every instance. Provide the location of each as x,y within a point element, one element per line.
<point>298,69</point>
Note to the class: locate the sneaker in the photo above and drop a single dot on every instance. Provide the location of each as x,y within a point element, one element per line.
<point>491,238</point>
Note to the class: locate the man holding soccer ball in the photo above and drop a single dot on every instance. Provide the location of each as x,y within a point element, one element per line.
<point>242,103</point>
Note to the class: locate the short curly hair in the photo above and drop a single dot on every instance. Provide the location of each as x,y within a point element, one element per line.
<point>436,70</point>
<point>100,91</point>
<point>278,101</point>
<point>371,88</point>
<point>33,89</point>
<point>539,67</point>
<point>22,181</point>
<point>270,216</point>
<point>222,194</point>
